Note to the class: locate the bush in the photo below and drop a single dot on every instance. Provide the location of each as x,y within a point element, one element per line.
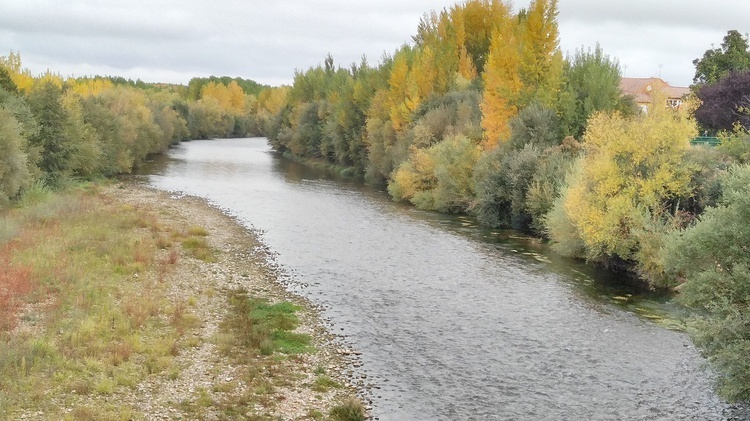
<point>502,178</point>
<point>713,260</point>
<point>627,185</point>
<point>438,178</point>
<point>534,125</point>
<point>736,145</point>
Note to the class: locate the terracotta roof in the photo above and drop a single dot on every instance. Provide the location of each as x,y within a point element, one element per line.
<point>641,88</point>
<point>678,91</point>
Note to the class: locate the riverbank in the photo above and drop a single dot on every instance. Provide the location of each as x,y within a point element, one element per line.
<point>158,339</point>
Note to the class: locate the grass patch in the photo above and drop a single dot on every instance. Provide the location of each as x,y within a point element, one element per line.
<point>265,328</point>
<point>324,384</point>
<point>258,336</point>
<point>198,247</point>
<point>314,414</point>
<point>350,409</point>
<point>197,231</point>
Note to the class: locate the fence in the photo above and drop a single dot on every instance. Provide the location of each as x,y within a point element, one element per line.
<point>706,140</point>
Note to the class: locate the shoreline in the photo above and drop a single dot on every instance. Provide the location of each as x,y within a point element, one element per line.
<point>245,262</point>
<point>129,302</point>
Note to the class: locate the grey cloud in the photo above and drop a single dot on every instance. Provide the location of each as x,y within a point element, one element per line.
<point>267,41</point>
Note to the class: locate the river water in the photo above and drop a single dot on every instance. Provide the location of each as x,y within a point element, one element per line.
<point>453,321</point>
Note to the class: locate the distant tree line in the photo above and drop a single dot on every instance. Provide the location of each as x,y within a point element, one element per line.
<point>55,130</point>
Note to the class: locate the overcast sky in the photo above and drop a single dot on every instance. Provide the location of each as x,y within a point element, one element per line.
<point>175,40</point>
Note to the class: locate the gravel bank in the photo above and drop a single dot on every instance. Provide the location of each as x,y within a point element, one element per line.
<point>243,262</point>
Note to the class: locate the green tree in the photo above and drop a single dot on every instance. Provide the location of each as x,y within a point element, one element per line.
<point>591,83</point>
<point>45,100</point>
<point>502,178</point>
<point>535,125</point>
<point>732,56</point>
<point>713,259</point>
<point>107,128</point>
<point>86,157</point>
<point>14,173</point>
<point>6,82</point>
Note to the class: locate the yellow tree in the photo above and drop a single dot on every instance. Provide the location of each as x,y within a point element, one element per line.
<point>219,92</point>
<point>399,89</point>
<point>236,98</point>
<point>631,171</point>
<point>21,77</point>
<point>502,85</point>
<point>87,87</point>
<point>270,103</point>
<point>421,79</point>
<point>541,59</point>
<point>475,22</point>
<point>466,68</point>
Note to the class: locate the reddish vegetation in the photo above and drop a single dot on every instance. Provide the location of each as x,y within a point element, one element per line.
<point>15,284</point>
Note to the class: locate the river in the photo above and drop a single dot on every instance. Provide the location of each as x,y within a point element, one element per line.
<point>453,321</point>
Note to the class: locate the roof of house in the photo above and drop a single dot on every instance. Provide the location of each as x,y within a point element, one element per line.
<point>641,88</point>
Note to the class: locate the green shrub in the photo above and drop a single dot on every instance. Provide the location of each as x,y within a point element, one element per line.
<point>349,410</point>
<point>713,260</point>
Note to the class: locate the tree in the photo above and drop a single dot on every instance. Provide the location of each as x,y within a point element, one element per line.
<point>398,82</point>
<point>534,125</point>
<point>6,82</point>
<point>21,77</point>
<point>45,100</point>
<point>86,156</point>
<point>625,185</point>
<point>541,60</point>
<point>439,177</point>
<point>14,174</point>
<point>474,22</point>
<point>713,259</point>
<point>725,103</point>
<point>502,178</point>
<point>502,85</point>
<point>592,81</point>
<point>732,56</point>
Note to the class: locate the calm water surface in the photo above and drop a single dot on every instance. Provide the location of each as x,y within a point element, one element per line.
<point>454,322</point>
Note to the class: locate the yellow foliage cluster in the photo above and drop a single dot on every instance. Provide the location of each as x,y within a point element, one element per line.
<point>439,177</point>
<point>413,176</point>
<point>21,77</point>
<point>524,65</point>
<point>230,97</point>
<point>91,87</point>
<point>631,169</point>
<point>502,86</point>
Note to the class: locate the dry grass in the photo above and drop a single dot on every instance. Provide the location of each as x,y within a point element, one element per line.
<point>82,304</point>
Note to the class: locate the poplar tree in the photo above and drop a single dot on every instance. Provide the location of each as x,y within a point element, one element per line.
<point>502,85</point>
<point>541,59</point>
